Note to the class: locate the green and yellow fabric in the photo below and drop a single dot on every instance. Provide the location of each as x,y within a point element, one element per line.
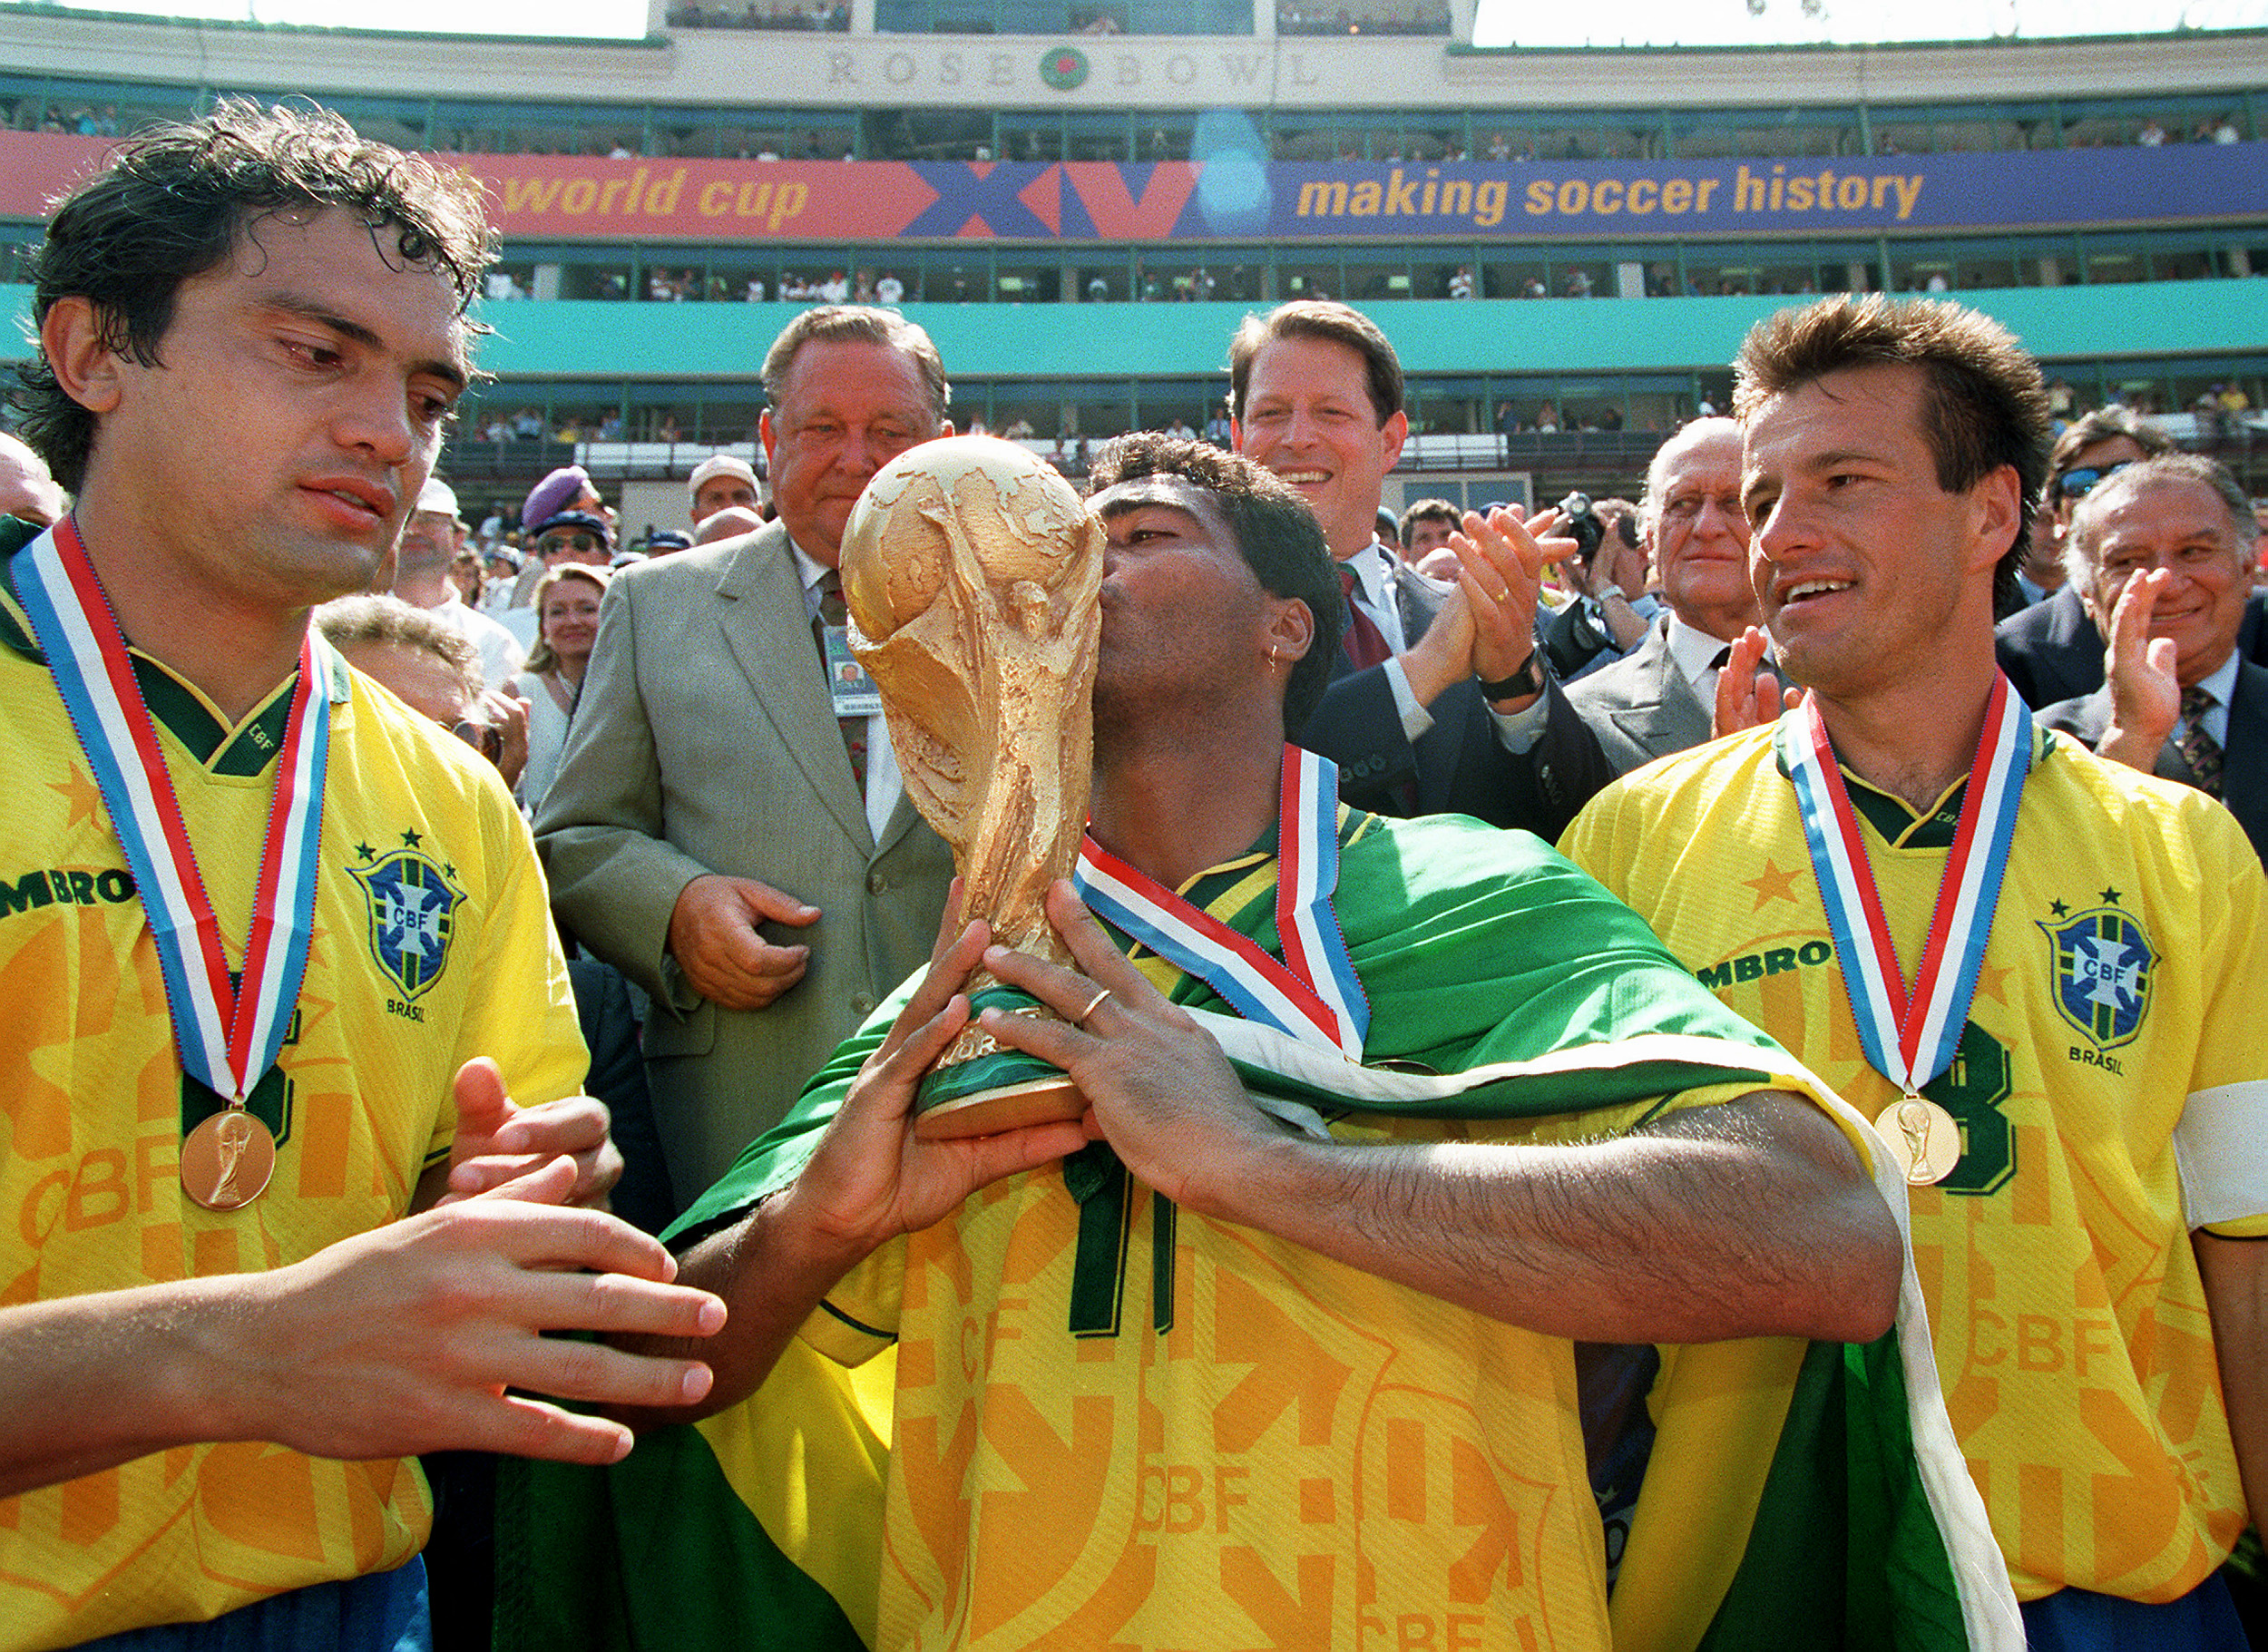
<point>1275,1449</point>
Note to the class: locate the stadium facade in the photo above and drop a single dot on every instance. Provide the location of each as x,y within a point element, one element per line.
<point>1081,200</point>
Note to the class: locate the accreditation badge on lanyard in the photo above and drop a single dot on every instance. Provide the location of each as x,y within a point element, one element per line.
<point>1312,993</point>
<point>227,1035</point>
<point>1910,1037</point>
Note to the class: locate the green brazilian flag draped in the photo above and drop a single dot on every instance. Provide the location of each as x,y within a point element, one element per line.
<point>1764,1493</point>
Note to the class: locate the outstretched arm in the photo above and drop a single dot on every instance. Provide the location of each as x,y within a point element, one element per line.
<point>406,1339</point>
<point>1653,1236</point>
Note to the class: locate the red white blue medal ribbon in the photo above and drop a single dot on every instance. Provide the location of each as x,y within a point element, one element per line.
<point>1313,993</point>
<point>227,1036</point>
<point>1910,1037</point>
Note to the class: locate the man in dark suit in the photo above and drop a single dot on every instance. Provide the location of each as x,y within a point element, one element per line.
<point>2051,648</point>
<point>1658,698</point>
<point>723,830</point>
<point>1443,702</point>
<point>2163,553</point>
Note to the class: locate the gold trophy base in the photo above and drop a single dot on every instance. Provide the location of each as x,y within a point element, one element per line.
<point>988,1112</point>
<point>981,1087</point>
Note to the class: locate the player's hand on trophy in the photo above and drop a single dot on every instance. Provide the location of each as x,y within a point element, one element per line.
<point>713,936</point>
<point>871,1177</point>
<point>1158,1088</point>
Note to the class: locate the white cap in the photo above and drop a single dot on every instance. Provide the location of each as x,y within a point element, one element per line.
<point>437,495</point>
<point>715,465</point>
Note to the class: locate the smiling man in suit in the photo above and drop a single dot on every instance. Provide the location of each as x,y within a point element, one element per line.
<point>728,827</point>
<point>1656,699</point>
<point>2162,552</point>
<point>1441,702</point>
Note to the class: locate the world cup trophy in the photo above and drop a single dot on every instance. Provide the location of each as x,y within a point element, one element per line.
<point>971,574</point>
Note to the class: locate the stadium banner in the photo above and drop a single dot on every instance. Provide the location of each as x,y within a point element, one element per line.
<point>1235,196</point>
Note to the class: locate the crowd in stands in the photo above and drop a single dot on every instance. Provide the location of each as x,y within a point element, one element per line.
<point>1291,134</point>
<point>1161,275</point>
<point>1420,18</point>
<point>830,16</point>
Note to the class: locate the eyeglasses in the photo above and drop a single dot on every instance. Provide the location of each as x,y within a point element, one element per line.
<point>484,738</point>
<point>552,544</point>
<point>2075,484</point>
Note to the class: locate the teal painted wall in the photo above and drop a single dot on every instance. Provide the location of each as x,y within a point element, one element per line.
<point>650,342</point>
<point>591,340</point>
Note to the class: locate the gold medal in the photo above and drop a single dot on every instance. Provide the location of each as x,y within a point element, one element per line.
<point>227,1160</point>
<point>1922,1138</point>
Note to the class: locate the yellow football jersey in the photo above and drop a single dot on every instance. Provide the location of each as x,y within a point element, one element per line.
<point>1227,1440</point>
<point>431,944</point>
<point>2122,981</point>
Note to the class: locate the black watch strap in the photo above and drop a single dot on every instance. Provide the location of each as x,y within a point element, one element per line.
<point>1527,680</point>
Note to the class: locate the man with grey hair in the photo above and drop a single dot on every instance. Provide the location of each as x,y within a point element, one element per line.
<point>1659,697</point>
<point>728,827</point>
<point>2162,554</point>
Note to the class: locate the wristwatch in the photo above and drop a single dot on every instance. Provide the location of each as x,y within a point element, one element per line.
<point>1520,684</point>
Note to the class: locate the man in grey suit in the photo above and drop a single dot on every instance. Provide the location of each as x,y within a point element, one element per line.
<point>1658,698</point>
<point>2163,554</point>
<point>724,829</point>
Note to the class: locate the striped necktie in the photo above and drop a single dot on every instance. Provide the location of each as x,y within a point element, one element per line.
<point>1364,643</point>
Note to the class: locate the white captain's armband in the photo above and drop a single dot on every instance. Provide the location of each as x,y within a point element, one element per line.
<point>2219,1146</point>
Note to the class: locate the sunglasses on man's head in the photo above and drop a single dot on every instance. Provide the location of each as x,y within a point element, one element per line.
<point>2075,484</point>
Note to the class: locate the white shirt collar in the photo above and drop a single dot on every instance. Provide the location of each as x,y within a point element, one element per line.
<point>809,568</point>
<point>1693,650</point>
<point>2222,683</point>
<point>1371,573</point>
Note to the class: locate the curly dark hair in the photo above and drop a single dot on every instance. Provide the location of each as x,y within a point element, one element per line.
<point>1985,404</point>
<point>1276,534</point>
<point>172,204</point>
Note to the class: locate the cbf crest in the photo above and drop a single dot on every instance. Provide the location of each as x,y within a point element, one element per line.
<point>412,907</point>
<point>2104,965</point>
